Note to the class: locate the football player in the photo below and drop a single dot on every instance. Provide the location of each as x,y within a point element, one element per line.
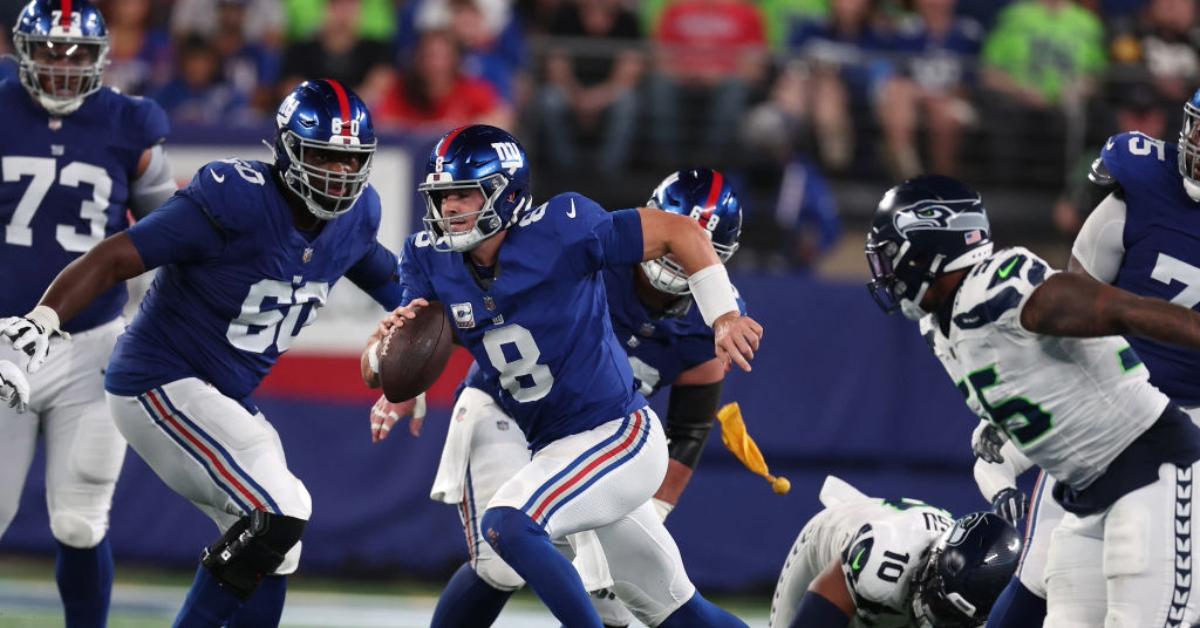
<point>892,564</point>
<point>1036,354</point>
<point>525,289</point>
<point>1143,237</point>
<point>14,387</point>
<point>667,343</point>
<point>247,254</point>
<point>78,157</point>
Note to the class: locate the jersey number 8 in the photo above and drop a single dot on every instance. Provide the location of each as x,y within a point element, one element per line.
<point>523,377</point>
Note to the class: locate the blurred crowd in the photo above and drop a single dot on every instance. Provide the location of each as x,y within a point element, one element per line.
<point>789,95</point>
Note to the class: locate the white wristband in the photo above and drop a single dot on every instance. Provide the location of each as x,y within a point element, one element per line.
<point>46,317</point>
<point>373,357</point>
<point>712,292</point>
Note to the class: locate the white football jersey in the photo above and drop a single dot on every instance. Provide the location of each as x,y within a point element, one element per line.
<point>881,545</point>
<point>1071,405</point>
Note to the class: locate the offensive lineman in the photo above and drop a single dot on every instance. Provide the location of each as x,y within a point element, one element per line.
<point>1036,354</point>
<point>524,288</point>
<point>248,253</point>
<point>893,564</point>
<point>1144,237</point>
<point>76,156</point>
<point>667,343</point>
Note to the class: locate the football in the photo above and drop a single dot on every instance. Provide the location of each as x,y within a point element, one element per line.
<point>413,356</point>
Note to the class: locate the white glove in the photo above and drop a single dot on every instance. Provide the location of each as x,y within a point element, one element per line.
<point>986,442</point>
<point>14,388</point>
<point>31,334</point>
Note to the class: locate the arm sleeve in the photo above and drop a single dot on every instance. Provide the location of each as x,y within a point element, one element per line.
<point>154,186</point>
<point>1100,245</point>
<point>414,283</point>
<point>178,232</point>
<point>378,274</point>
<point>995,477</point>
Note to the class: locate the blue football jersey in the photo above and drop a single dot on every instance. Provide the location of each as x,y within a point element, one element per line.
<point>238,280</point>
<point>541,332</point>
<point>64,187</point>
<point>1162,249</point>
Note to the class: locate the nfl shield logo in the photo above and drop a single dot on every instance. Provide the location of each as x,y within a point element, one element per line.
<point>307,255</point>
<point>464,315</point>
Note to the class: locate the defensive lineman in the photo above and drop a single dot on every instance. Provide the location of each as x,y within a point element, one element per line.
<point>524,288</point>
<point>248,253</point>
<point>76,156</point>
<point>1036,355</point>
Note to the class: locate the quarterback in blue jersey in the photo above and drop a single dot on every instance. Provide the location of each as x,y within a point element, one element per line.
<point>77,159</point>
<point>525,289</point>
<point>1143,237</point>
<point>247,254</point>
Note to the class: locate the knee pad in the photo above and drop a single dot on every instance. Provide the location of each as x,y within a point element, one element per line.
<point>497,573</point>
<point>251,548</point>
<point>77,531</point>
<point>504,525</point>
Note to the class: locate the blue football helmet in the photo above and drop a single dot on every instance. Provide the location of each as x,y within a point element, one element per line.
<point>476,157</point>
<point>321,124</point>
<point>967,568</point>
<point>923,228</point>
<point>709,198</point>
<point>1189,147</point>
<point>62,48</point>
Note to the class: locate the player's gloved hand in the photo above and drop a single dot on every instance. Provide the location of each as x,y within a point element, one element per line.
<point>986,442</point>
<point>385,414</point>
<point>737,338</point>
<point>31,334</point>
<point>14,388</point>
<point>1011,504</point>
<point>397,318</point>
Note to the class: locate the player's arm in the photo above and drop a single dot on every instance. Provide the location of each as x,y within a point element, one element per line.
<point>691,410</point>
<point>154,183</point>
<point>663,233</point>
<point>1076,305</point>
<point>827,603</point>
<point>1100,247</point>
<point>378,274</point>
<point>997,481</point>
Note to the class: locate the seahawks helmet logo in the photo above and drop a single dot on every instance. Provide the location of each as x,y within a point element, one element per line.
<point>940,216</point>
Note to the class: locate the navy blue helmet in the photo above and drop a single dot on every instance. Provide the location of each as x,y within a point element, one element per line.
<point>62,48</point>
<point>324,142</point>
<point>967,568</point>
<point>708,197</point>
<point>1189,146</point>
<point>476,157</point>
<point>923,228</point>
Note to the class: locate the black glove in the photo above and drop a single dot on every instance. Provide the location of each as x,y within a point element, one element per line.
<point>1011,504</point>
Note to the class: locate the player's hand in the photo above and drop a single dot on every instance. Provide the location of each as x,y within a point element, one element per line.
<point>385,414</point>
<point>30,336</point>
<point>986,442</point>
<point>1011,504</point>
<point>14,388</point>
<point>397,318</point>
<point>737,338</point>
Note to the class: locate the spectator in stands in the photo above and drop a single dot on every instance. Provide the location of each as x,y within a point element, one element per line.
<point>261,21</point>
<point>590,80</point>
<point>937,52</point>
<point>140,55</point>
<point>339,53</point>
<point>198,94</point>
<point>1165,41</point>
<point>434,95</point>
<point>836,71</point>
<point>1040,61</point>
<point>710,52</point>
<point>304,18</point>
<point>250,67</point>
<point>781,16</point>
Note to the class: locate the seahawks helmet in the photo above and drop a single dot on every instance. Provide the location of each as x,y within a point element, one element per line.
<point>320,124</point>
<point>1189,147</point>
<point>476,157</point>
<point>923,228</point>
<point>709,198</point>
<point>62,48</point>
<point>967,568</point>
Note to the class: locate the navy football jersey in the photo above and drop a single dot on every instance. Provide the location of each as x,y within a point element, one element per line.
<point>541,332</point>
<point>238,280</point>
<point>1162,249</point>
<point>64,187</point>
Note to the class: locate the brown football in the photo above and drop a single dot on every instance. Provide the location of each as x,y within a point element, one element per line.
<point>413,356</point>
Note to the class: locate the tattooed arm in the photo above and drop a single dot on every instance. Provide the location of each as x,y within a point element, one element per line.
<point>1074,304</point>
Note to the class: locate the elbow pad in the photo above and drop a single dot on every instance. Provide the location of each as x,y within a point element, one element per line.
<point>690,415</point>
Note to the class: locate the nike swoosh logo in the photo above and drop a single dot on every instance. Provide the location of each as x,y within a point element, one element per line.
<point>1008,269</point>
<point>856,564</point>
<point>571,213</point>
<point>219,178</point>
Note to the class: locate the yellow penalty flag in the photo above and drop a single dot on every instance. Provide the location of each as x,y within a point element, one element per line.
<point>738,441</point>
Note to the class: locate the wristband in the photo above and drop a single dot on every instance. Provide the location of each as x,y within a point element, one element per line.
<point>712,292</point>
<point>45,317</point>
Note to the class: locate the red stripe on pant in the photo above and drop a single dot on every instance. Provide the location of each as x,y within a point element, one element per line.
<point>633,433</point>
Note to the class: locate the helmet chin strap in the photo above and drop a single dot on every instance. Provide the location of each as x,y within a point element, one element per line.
<point>911,308</point>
